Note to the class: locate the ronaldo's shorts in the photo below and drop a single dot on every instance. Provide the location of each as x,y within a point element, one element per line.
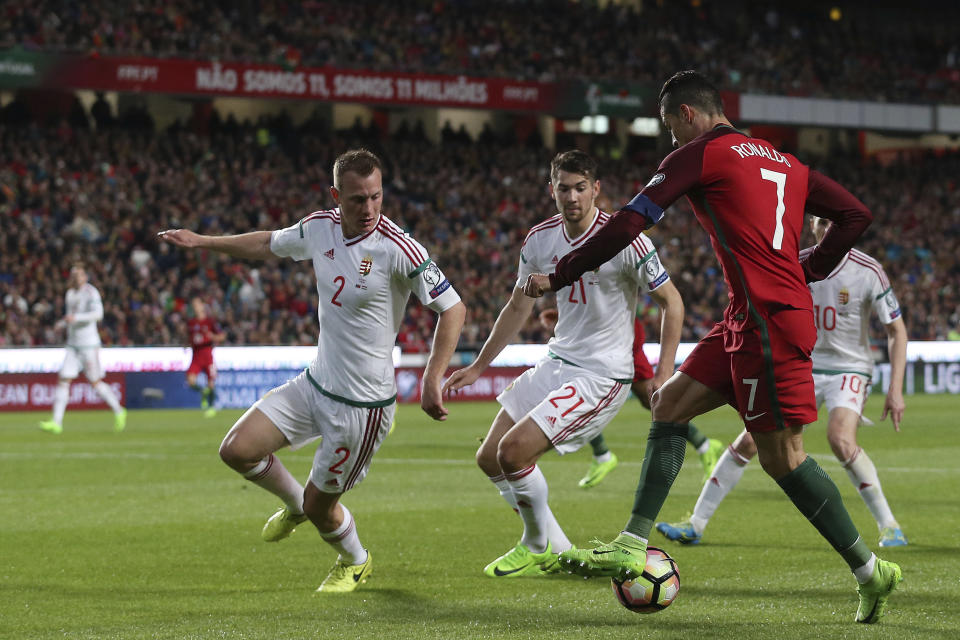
<point>842,390</point>
<point>203,362</point>
<point>641,366</point>
<point>569,404</point>
<point>765,373</point>
<point>77,359</point>
<point>351,435</point>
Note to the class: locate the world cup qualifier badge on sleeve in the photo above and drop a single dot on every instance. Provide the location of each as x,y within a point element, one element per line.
<point>435,278</point>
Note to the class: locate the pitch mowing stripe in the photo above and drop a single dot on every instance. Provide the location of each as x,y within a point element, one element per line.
<point>824,459</point>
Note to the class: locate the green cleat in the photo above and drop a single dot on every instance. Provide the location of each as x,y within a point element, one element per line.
<point>120,421</point>
<point>874,593</point>
<point>209,413</point>
<point>597,472</point>
<point>520,561</point>
<point>623,558</point>
<point>281,524</point>
<point>709,459</point>
<point>51,427</point>
<point>344,578</point>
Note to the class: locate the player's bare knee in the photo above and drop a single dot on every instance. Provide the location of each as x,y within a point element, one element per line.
<point>487,459</point>
<point>511,456</point>
<point>843,446</point>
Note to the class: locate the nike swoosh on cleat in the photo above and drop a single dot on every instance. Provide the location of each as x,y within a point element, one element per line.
<point>498,572</point>
<point>597,553</point>
<point>357,576</point>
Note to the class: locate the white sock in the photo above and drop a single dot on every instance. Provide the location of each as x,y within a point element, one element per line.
<point>704,447</point>
<point>60,396</point>
<point>863,475</point>
<point>105,392</point>
<point>539,524</point>
<point>724,478</point>
<point>505,491</point>
<point>345,539</point>
<point>270,474</point>
<point>603,457</point>
<point>864,573</point>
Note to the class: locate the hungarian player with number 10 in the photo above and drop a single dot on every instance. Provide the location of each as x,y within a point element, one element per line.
<point>750,198</point>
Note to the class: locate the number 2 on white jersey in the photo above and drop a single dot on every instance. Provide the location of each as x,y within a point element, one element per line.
<point>780,179</point>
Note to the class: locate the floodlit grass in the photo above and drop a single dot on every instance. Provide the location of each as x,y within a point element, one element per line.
<point>147,534</point>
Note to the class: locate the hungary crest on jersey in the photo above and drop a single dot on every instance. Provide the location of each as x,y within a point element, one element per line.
<point>366,265</point>
<point>844,296</point>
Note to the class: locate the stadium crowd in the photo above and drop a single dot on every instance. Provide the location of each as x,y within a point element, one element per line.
<point>774,48</point>
<point>69,193</point>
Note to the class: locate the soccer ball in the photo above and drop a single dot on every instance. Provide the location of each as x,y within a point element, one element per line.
<point>654,589</point>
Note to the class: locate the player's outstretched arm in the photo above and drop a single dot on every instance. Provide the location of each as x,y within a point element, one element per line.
<point>897,348</point>
<point>250,246</point>
<point>445,340</point>
<point>671,327</point>
<point>511,319</point>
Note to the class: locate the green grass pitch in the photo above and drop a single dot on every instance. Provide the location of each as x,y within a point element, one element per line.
<point>146,534</point>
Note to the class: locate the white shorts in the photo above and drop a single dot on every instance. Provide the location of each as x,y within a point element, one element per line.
<point>570,405</point>
<point>351,435</point>
<point>77,359</point>
<point>847,390</point>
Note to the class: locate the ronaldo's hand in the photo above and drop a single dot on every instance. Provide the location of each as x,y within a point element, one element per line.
<point>536,285</point>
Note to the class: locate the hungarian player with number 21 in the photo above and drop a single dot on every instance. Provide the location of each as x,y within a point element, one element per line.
<point>750,198</point>
<point>366,267</point>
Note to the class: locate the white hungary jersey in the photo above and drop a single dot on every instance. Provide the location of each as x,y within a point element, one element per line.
<point>86,307</point>
<point>841,304</point>
<point>595,326</point>
<point>363,284</point>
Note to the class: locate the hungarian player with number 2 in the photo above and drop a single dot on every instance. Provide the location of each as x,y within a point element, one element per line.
<point>366,267</point>
<point>750,198</point>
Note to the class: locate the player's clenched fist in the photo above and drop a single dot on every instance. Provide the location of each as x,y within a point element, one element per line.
<point>536,285</point>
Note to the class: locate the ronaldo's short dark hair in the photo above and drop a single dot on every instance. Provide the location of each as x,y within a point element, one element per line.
<point>692,88</point>
<point>360,161</point>
<point>573,161</point>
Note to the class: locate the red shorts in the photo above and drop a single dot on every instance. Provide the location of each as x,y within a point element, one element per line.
<point>202,362</point>
<point>641,366</point>
<point>765,373</point>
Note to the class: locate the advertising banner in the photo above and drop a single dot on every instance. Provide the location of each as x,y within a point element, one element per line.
<point>26,69</point>
<point>34,392</point>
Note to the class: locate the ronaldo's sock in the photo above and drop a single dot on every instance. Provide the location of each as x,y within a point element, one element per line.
<point>345,539</point>
<point>863,475</point>
<point>724,478</point>
<point>105,392</point>
<point>817,498</point>
<point>666,446</point>
<point>505,491</point>
<point>600,449</point>
<point>270,474</point>
<point>539,524</point>
<point>60,396</point>
<point>696,439</point>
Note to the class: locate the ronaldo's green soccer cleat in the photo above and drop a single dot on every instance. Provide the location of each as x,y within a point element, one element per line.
<point>120,421</point>
<point>875,592</point>
<point>623,558</point>
<point>520,561</point>
<point>51,427</point>
<point>597,472</point>
<point>281,524</point>
<point>344,578</point>
<point>710,457</point>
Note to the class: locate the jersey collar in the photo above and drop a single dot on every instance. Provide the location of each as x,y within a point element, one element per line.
<point>586,234</point>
